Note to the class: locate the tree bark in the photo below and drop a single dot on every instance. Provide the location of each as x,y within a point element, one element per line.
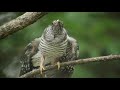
<point>20,23</point>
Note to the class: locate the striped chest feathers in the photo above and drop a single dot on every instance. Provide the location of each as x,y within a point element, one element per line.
<point>53,50</point>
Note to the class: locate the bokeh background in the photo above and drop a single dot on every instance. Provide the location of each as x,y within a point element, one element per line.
<point>98,34</point>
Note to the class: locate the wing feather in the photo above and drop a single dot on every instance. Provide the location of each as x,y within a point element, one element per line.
<point>25,59</point>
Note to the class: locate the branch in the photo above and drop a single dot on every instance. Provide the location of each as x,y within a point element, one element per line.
<point>80,61</point>
<point>19,23</point>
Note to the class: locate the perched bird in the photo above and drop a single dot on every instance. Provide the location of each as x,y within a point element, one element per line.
<point>53,47</point>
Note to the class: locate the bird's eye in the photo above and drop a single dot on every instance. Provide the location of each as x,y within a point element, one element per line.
<point>61,24</point>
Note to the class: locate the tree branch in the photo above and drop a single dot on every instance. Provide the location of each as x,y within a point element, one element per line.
<point>19,23</point>
<point>80,61</point>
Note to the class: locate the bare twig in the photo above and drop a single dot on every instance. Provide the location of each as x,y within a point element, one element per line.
<point>19,23</point>
<point>80,61</point>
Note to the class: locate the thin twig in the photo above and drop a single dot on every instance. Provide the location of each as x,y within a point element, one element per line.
<point>19,23</point>
<point>80,61</point>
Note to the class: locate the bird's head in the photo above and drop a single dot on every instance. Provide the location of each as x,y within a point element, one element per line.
<point>55,31</point>
<point>57,27</point>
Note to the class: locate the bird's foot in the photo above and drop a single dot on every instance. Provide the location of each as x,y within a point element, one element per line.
<point>58,65</point>
<point>41,69</point>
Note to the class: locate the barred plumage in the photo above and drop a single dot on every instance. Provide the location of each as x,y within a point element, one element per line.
<point>53,46</point>
<point>48,48</point>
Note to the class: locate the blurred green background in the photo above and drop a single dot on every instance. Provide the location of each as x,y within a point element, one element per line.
<point>98,34</point>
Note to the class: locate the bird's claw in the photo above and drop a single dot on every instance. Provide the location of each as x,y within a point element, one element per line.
<point>58,65</point>
<point>41,69</point>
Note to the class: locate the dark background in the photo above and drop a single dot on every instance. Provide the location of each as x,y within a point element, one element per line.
<point>98,34</point>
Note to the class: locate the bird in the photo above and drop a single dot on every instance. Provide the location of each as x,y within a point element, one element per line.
<point>53,47</point>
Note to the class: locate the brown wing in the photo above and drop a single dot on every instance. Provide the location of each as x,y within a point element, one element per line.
<point>30,50</point>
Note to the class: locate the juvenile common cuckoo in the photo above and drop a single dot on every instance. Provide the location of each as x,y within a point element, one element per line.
<point>53,47</point>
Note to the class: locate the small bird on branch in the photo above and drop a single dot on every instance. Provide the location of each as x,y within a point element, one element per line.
<point>53,47</point>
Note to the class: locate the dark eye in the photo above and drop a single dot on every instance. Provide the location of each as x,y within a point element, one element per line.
<point>61,24</point>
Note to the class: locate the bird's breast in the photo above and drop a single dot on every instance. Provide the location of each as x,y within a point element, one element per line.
<point>52,50</point>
